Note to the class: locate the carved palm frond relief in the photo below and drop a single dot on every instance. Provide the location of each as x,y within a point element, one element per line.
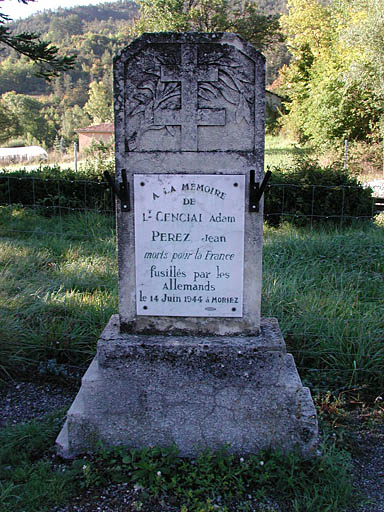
<point>150,94</point>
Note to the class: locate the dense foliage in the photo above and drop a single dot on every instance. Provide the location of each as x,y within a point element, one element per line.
<point>94,34</point>
<point>242,17</point>
<point>52,191</point>
<point>335,79</point>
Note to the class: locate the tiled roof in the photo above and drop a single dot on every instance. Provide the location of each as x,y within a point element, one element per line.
<point>98,128</point>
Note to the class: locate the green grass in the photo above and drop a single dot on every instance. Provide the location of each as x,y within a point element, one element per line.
<point>326,288</point>
<point>29,480</point>
<point>281,152</point>
<point>58,288</point>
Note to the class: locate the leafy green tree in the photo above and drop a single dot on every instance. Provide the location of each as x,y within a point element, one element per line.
<point>330,81</point>
<point>41,52</point>
<point>17,74</point>
<point>63,27</point>
<point>8,127</point>
<point>28,119</point>
<point>73,119</point>
<point>99,104</point>
<point>363,42</point>
<point>241,16</point>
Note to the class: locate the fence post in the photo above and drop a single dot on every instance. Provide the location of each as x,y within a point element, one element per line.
<point>313,204</point>
<point>282,203</point>
<point>342,207</point>
<point>75,154</point>
<point>346,154</point>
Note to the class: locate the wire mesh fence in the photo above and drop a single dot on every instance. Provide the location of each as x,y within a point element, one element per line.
<point>298,204</point>
<point>314,204</point>
<point>26,204</point>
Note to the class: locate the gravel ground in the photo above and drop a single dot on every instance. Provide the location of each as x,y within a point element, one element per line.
<point>369,468</point>
<point>24,401</point>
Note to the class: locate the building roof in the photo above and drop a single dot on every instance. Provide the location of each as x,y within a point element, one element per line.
<point>97,128</point>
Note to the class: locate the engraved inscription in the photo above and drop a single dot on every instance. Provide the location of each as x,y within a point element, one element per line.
<point>189,245</point>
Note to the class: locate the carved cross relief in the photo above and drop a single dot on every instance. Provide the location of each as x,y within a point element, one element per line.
<point>189,116</point>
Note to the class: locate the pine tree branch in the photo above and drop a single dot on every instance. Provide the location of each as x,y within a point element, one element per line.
<point>45,55</point>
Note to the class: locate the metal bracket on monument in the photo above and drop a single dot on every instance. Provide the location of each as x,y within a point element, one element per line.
<point>123,192</point>
<point>256,190</point>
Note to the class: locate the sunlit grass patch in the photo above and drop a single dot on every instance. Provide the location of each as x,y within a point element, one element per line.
<point>325,286</point>
<point>56,295</point>
<point>281,152</point>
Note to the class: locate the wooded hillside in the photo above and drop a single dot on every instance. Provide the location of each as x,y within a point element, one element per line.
<point>94,33</point>
<point>35,111</point>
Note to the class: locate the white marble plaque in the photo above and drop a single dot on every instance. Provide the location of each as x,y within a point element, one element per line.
<point>189,244</point>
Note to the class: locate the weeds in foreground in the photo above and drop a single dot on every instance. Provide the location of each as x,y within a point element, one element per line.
<point>223,478</point>
<point>28,478</point>
<point>32,479</point>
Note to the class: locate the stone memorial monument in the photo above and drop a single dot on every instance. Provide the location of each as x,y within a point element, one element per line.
<point>188,360</point>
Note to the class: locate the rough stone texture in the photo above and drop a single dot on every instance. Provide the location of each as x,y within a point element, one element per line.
<point>190,103</point>
<point>144,390</point>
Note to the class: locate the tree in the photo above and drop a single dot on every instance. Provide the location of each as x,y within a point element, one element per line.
<point>363,41</point>
<point>45,55</point>
<point>240,16</point>
<point>17,74</point>
<point>63,27</point>
<point>73,119</point>
<point>27,117</point>
<point>8,127</point>
<point>333,81</point>
<point>99,104</point>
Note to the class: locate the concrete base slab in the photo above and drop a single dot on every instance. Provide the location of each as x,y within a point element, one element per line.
<point>197,393</point>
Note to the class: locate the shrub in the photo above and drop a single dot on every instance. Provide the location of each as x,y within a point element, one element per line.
<point>55,191</point>
<point>308,194</point>
<point>272,120</point>
<point>16,143</point>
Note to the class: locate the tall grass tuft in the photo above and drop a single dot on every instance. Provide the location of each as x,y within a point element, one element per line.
<point>57,291</point>
<point>326,287</point>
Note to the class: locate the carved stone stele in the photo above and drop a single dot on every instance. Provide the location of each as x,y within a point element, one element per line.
<point>190,104</point>
<point>189,117</point>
